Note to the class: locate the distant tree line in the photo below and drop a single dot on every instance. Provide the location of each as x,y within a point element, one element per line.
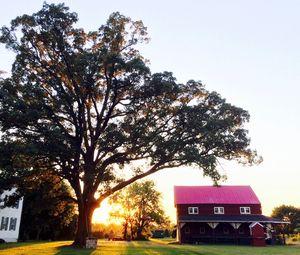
<point>107,230</point>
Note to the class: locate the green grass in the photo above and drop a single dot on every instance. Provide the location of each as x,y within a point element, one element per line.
<point>143,248</point>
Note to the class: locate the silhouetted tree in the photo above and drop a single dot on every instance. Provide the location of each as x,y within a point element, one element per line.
<point>86,105</point>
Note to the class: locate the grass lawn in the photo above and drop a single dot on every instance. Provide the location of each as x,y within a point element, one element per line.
<point>141,248</point>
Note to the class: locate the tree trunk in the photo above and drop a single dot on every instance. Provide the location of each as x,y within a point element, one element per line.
<point>132,232</point>
<point>84,224</point>
<point>38,232</point>
<point>139,235</point>
<point>125,230</point>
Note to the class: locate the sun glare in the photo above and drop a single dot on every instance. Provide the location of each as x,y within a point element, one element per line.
<point>101,215</point>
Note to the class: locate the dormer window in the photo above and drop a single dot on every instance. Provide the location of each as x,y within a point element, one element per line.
<point>193,210</point>
<point>245,210</point>
<point>218,210</point>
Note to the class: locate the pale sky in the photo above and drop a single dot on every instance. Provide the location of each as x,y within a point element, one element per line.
<point>248,51</point>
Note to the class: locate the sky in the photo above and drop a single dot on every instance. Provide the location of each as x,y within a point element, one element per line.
<point>246,50</point>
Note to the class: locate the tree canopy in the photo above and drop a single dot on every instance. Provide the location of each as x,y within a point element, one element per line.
<point>288,213</point>
<point>86,105</point>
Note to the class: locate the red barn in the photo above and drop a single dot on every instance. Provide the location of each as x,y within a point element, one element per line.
<point>221,214</point>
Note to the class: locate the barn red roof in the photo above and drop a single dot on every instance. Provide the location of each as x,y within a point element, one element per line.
<point>215,195</point>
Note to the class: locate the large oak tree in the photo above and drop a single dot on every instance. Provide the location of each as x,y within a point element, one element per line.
<point>86,105</point>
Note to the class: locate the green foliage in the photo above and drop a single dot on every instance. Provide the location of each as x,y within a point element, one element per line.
<point>86,105</point>
<point>141,210</point>
<point>288,213</point>
<point>47,211</point>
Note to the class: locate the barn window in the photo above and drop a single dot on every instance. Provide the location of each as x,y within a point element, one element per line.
<point>13,224</point>
<point>187,230</point>
<point>202,230</point>
<point>219,210</point>
<point>193,210</point>
<point>245,210</point>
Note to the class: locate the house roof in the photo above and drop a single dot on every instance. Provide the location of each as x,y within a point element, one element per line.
<point>229,218</point>
<point>215,195</point>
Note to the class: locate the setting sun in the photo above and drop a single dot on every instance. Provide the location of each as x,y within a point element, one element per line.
<point>101,215</point>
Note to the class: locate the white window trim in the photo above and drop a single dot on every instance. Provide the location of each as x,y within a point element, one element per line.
<point>218,210</point>
<point>193,210</point>
<point>245,210</point>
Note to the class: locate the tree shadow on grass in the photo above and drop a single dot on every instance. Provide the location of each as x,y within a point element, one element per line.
<point>145,248</point>
<point>71,250</point>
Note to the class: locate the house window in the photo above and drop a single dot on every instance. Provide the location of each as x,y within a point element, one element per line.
<point>219,210</point>
<point>187,230</point>
<point>245,210</point>
<point>4,223</point>
<point>13,224</point>
<point>193,210</point>
<point>225,230</point>
<point>202,230</point>
<point>241,231</point>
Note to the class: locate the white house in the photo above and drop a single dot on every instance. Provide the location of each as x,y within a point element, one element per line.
<point>10,219</point>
